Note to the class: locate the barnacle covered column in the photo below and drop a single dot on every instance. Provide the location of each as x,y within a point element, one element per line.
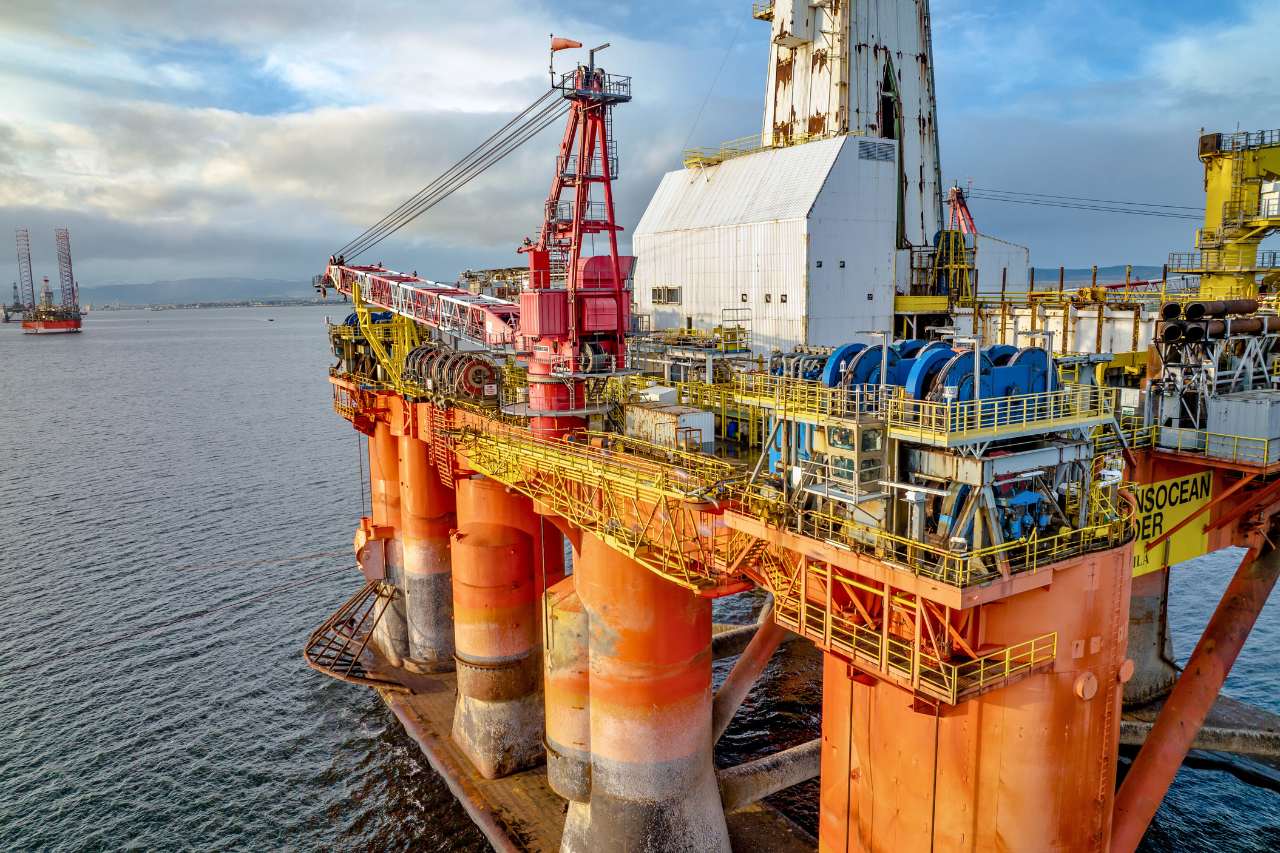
<point>567,692</point>
<point>653,784</point>
<point>391,633</point>
<point>498,721</point>
<point>427,515</point>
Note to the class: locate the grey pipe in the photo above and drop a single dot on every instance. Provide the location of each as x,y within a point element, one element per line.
<point>749,783</point>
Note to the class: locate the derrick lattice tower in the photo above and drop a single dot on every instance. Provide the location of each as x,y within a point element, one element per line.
<point>70,294</point>
<point>27,283</point>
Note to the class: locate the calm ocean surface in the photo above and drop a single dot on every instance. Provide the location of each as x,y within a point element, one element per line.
<point>177,501</point>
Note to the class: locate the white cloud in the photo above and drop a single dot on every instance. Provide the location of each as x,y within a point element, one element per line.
<point>390,94</point>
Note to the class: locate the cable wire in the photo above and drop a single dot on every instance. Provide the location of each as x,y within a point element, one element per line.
<point>523,127</point>
<point>1072,206</point>
<point>405,204</point>
<point>1079,198</point>
<point>474,170</point>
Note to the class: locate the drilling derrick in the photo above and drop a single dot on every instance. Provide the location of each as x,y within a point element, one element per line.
<point>70,296</point>
<point>574,310</point>
<point>24,269</point>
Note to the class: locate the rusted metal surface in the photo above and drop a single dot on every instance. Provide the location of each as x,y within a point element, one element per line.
<point>427,512</point>
<point>499,717</point>
<point>653,783</point>
<point>522,812</point>
<point>1005,800</point>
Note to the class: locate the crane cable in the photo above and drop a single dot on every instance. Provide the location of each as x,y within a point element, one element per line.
<point>1132,208</point>
<point>413,198</point>
<point>474,170</point>
<point>520,129</point>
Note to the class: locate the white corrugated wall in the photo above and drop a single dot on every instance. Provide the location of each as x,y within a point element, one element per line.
<point>853,233</point>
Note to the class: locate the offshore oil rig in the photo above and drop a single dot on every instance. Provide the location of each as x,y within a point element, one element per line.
<point>45,317</point>
<point>805,381</point>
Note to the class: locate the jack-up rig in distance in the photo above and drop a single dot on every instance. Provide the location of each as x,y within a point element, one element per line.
<point>970,512</point>
<point>45,317</point>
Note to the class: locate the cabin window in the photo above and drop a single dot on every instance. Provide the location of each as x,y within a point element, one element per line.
<point>666,296</point>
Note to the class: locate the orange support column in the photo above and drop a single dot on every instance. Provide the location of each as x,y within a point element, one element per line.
<point>391,633</point>
<point>653,784</point>
<point>498,720</point>
<point>427,515</point>
<point>565,679</point>
<point>1029,765</point>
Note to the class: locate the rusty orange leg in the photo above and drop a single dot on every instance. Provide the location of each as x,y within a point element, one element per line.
<point>653,784</point>
<point>427,515</point>
<point>391,634</point>
<point>565,682</point>
<point>498,720</point>
<point>1197,689</point>
<point>1150,643</point>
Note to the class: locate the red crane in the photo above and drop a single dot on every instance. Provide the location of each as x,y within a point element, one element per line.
<point>961,218</point>
<point>575,310</point>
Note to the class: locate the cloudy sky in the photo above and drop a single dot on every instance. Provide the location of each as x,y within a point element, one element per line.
<point>236,138</point>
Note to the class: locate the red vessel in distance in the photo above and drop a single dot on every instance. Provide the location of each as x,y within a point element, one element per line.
<point>46,318</point>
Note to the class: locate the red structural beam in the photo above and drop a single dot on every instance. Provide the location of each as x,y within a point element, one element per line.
<point>482,320</point>
<point>1193,696</point>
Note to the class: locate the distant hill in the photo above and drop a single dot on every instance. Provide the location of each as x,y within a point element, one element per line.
<point>188,290</point>
<point>1106,275</point>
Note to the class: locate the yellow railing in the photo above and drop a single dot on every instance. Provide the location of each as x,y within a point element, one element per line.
<point>951,682</point>
<point>806,398</point>
<point>1243,449</point>
<point>762,11</point>
<point>647,501</point>
<point>954,568</point>
<point>724,339</point>
<point>868,646</point>
<point>697,157</point>
<point>942,422</point>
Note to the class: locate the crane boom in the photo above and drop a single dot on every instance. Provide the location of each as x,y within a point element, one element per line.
<point>483,321</point>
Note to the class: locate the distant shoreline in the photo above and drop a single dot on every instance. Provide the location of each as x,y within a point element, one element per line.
<point>231,303</point>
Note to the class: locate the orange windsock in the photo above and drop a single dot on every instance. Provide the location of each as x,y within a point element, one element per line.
<point>560,43</point>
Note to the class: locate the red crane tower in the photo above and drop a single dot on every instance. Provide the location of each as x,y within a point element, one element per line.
<point>575,310</point>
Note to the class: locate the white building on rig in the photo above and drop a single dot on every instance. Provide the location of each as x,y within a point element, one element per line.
<point>805,233</point>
